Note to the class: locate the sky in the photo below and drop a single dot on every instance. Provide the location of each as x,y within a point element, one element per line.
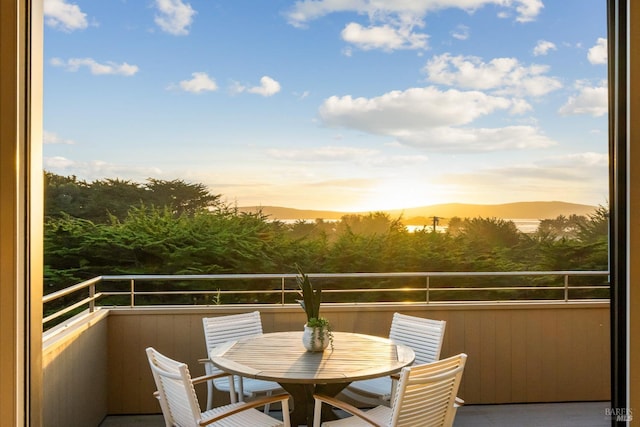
<point>348,105</point>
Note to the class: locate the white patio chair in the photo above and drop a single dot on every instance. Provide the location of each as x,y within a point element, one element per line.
<point>424,397</point>
<point>423,336</point>
<point>180,406</point>
<point>218,330</point>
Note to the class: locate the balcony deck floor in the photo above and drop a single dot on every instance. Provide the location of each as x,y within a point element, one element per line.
<point>578,414</point>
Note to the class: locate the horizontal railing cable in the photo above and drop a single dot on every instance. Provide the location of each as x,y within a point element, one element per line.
<point>428,290</point>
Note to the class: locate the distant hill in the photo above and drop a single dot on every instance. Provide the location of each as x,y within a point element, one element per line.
<point>516,210</point>
<point>277,212</point>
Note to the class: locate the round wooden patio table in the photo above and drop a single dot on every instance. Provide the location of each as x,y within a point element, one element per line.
<point>281,357</point>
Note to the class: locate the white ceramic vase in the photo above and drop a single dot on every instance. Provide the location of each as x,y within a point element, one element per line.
<point>315,338</point>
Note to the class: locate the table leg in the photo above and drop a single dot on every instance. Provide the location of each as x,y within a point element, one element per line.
<point>303,402</point>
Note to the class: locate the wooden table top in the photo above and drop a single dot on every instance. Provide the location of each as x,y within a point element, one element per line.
<point>281,357</point>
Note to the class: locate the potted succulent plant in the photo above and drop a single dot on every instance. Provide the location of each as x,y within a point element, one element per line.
<point>317,331</point>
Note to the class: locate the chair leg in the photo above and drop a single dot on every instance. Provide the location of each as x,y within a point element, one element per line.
<point>209,395</point>
<point>233,397</point>
<point>268,405</point>
<point>394,385</point>
<point>240,390</point>
<point>317,413</point>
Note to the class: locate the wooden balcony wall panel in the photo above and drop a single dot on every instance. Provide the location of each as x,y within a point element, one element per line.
<point>527,354</point>
<point>517,352</point>
<point>75,375</point>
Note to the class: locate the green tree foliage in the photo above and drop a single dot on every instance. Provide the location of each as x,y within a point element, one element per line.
<point>112,197</point>
<point>561,227</point>
<point>596,229</point>
<point>181,197</point>
<point>489,244</point>
<point>100,200</point>
<point>588,250</point>
<point>171,227</point>
<point>65,196</point>
<point>373,223</point>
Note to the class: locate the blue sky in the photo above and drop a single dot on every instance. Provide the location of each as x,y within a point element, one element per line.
<point>350,105</point>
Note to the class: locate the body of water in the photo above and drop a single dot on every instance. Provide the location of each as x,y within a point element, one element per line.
<point>524,225</point>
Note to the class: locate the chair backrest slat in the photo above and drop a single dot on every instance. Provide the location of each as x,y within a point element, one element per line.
<point>425,394</point>
<point>178,398</point>
<point>230,327</point>
<point>224,328</point>
<point>423,336</point>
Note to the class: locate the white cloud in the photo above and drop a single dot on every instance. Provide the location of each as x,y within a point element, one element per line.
<point>528,10</point>
<point>501,75</point>
<point>461,32</point>
<point>174,16</point>
<point>520,106</point>
<point>581,160</point>
<point>348,156</point>
<point>432,119</point>
<point>268,87</point>
<point>478,139</point>
<point>589,100</point>
<point>543,47</point>
<point>200,82</point>
<point>98,169</point>
<point>57,163</point>
<point>383,37</point>
<point>401,160</point>
<point>544,179</point>
<point>304,11</point>
<point>391,24</point>
<point>327,153</point>
<point>302,95</point>
<point>598,53</point>
<point>95,67</point>
<point>237,88</point>
<point>64,16</point>
<point>53,138</point>
<point>425,107</point>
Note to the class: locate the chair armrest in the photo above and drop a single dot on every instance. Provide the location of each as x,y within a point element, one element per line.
<point>345,407</point>
<point>198,380</point>
<point>284,398</point>
<point>458,402</point>
<point>205,361</point>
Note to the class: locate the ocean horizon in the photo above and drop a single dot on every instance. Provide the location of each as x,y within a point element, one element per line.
<point>524,225</point>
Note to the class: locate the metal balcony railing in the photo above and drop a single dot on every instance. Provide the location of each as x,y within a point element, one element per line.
<point>408,287</point>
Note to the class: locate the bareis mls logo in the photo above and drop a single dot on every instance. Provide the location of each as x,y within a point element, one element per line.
<point>619,414</point>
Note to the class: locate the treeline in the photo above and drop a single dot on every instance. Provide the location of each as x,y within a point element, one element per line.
<point>112,227</point>
<point>103,200</point>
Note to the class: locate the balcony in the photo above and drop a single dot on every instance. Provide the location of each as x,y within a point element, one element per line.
<point>533,350</point>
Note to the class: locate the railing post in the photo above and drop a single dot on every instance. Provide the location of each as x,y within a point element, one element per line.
<point>133,292</point>
<point>566,288</point>
<point>282,290</point>
<point>92,295</point>
<point>428,277</point>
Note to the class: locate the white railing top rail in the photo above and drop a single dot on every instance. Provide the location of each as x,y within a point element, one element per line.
<point>352,275</point>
